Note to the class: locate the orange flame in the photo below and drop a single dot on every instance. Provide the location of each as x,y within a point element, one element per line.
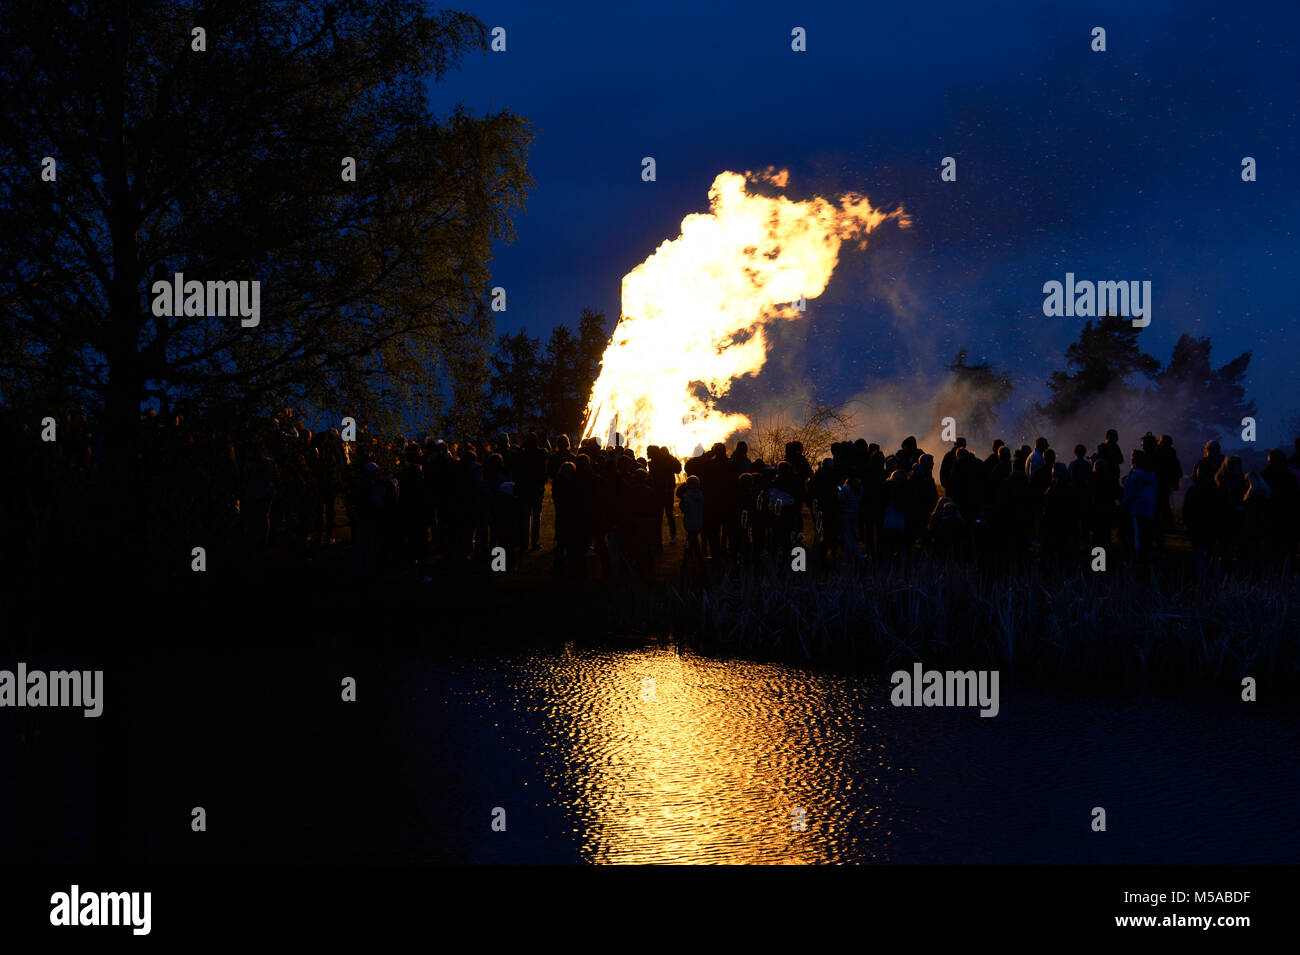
<point>694,312</point>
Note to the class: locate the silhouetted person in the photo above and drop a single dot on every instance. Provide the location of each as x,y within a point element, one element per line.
<point>893,523</point>
<point>329,463</point>
<point>225,489</point>
<point>947,532</point>
<point>740,459</point>
<point>922,495</point>
<point>1081,478</point>
<point>691,501</point>
<point>413,507</point>
<point>1106,494</point>
<point>374,506</point>
<point>1041,477</point>
<point>850,500</point>
<point>442,480</point>
<point>824,495</point>
<point>1080,469</point>
<point>1015,512</point>
<point>1062,507</point>
<point>622,525</point>
<point>1255,526</point>
<point>643,505</point>
<point>1111,451</point>
<point>1037,459</point>
<point>785,497</point>
<point>1140,491</point>
<point>569,548</point>
<point>992,459</point>
<point>795,480</point>
<point>557,459</point>
<point>474,505</point>
<point>1169,472</point>
<point>873,490</point>
<point>261,479</point>
<point>905,457</point>
<point>509,522</point>
<point>1214,456</point>
<point>965,484</point>
<point>1230,483</point>
<point>997,474</point>
<point>1284,505</point>
<point>530,485</point>
<point>949,459</point>
<point>1201,514</point>
<point>299,493</point>
<point>664,468</point>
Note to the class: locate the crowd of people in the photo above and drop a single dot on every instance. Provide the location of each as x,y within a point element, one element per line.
<point>408,502</point>
<point>861,503</point>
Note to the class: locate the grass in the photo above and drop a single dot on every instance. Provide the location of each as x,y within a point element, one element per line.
<point>1160,625</point>
<point>1135,625</point>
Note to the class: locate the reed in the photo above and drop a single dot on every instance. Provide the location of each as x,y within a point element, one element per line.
<point>1127,626</point>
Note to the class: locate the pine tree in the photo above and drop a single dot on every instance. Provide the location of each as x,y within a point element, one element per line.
<point>1104,358</point>
<point>516,381</point>
<point>563,397</point>
<point>974,396</point>
<point>593,339</point>
<point>1211,401</point>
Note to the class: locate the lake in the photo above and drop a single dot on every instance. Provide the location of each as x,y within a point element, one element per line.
<point>583,759</point>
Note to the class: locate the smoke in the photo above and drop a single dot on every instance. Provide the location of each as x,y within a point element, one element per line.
<point>917,403</point>
<point>698,356</point>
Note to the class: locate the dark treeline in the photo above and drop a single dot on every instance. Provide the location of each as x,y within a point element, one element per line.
<point>544,385</point>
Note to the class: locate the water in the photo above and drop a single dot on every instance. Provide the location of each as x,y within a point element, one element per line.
<point>711,765</point>
<point>588,764</point>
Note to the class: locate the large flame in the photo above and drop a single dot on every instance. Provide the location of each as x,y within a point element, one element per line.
<point>694,312</point>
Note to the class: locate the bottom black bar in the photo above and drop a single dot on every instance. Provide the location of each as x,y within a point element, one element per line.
<point>1149,903</point>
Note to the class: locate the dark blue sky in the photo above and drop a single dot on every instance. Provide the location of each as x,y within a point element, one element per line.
<point>1121,165</point>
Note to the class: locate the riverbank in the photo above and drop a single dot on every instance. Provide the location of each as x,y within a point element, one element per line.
<point>1130,627</point>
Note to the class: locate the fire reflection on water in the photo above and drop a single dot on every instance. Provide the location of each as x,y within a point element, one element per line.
<point>666,758</point>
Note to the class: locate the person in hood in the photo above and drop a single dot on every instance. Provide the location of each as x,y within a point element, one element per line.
<point>922,495</point>
<point>690,498</point>
<point>947,532</point>
<point>1141,489</point>
<point>510,522</point>
<point>850,501</point>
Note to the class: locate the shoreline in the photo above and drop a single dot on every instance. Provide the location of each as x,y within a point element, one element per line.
<point>1160,629</point>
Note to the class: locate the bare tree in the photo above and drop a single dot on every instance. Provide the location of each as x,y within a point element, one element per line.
<point>822,425</point>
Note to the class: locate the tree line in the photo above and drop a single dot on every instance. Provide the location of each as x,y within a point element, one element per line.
<point>1107,366</point>
<point>544,386</point>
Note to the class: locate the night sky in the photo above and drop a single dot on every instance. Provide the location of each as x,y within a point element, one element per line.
<point>1122,165</point>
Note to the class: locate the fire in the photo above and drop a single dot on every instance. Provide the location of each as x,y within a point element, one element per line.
<point>694,312</point>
